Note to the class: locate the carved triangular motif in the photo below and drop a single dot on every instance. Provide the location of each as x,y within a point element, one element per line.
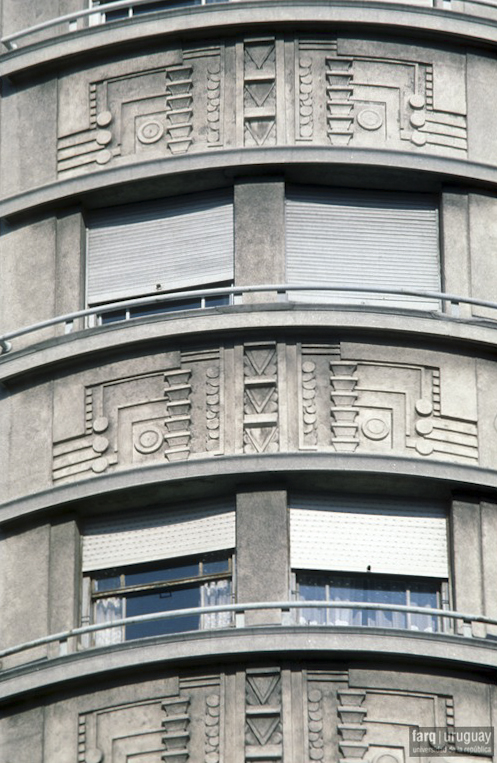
<point>260,129</point>
<point>259,91</point>
<point>263,728</point>
<point>263,686</point>
<point>259,398</point>
<point>260,359</point>
<point>259,54</point>
<point>260,437</point>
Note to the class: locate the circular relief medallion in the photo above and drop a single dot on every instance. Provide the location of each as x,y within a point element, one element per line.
<point>375,429</point>
<point>149,440</point>
<point>94,756</point>
<point>417,101</point>
<point>104,118</point>
<point>370,119</point>
<point>150,132</point>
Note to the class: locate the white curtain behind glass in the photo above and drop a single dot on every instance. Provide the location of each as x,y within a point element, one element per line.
<point>213,594</point>
<point>106,611</point>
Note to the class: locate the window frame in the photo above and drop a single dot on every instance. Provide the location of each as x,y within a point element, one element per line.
<point>91,596</point>
<point>333,577</point>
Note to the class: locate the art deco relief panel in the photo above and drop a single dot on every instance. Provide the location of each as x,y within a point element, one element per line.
<point>271,396</point>
<point>269,713</point>
<point>327,91</point>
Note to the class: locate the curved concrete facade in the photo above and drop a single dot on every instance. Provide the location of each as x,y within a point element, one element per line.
<point>335,443</point>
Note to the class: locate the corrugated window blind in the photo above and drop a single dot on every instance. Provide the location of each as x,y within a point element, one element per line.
<point>147,536</point>
<point>362,238</point>
<point>386,536</point>
<point>157,246</point>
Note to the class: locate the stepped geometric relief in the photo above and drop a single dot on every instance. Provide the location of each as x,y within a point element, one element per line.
<point>263,715</point>
<point>343,411</point>
<point>373,100</point>
<point>381,407</point>
<point>176,735</point>
<point>179,104</point>
<point>155,111</point>
<point>123,732</point>
<point>144,419</point>
<point>340,105</point>
<point>259,94</point>
<point>260,406</point>
<point>178,421</point>
<point>351,728</point>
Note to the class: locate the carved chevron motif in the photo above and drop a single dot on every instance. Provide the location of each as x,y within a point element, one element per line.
<point>262,686</point>
<point>263,715</point>
<point>260,403</point>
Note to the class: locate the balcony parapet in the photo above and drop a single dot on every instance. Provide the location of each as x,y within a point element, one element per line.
<point>466,645</point>
<point>74,34</point>
<point>73,23</point>
<point>449,306</point>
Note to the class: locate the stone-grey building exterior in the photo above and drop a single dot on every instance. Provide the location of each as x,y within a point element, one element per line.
<point>190,422</point>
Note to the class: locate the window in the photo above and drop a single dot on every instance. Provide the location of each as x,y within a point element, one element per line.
<point>137,10</point>
<point>152,248</point>
<point>384,550</point>
<point>375,239</point>
<point>164,587</point>
<point>154,561</point>
<point>372,588</point>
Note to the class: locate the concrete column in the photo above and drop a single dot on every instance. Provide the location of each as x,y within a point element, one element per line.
<point>467,561</point>
<point>262,553</point>
<point>64,579</point>
<point>259,233</point>
<point>455,264</point>
<point>489,560</point>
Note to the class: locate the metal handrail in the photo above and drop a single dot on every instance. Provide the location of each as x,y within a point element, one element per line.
<point>281,289</point>
<point>8,40</point>
<point>63,636</point>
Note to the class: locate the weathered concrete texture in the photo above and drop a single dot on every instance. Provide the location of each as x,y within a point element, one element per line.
<point>483,243</point>
<point>224,710</point>
<point>262,544</point>
<point>21,736</point>
<point>29,125</point>
<point>28,281</point>
<point>25,603</point>
<point>259,232</point>
<point>467,560</point>
<point>30,458</point>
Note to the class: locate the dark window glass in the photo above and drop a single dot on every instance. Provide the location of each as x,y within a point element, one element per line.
<point>162,601</point>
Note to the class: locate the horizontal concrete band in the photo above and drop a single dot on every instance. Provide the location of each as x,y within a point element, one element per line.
<point>474,26</point>
<point>246,643</point>
<point>235,162</point>
<point>293,319</point>
<point>243,467</point>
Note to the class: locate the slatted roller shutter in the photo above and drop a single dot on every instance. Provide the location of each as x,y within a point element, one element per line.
<point>153,535</point>
<point>387,536</point>
<point>174,243</point>
<point>369,238</point>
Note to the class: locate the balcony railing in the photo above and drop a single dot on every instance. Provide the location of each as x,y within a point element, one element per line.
<point>108,13</point>
<point>451,623</point>
<point>448,304</point>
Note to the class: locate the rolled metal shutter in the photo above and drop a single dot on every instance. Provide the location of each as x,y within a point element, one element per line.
<point>366,238</point>
<point>383,536</point>
<point>157,246</point>
<point>148,536</point>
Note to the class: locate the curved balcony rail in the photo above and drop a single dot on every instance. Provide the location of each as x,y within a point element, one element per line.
<point>448,304</point>
<point>100,14</point>
<point>126,9</point>
<point>449,622</point>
